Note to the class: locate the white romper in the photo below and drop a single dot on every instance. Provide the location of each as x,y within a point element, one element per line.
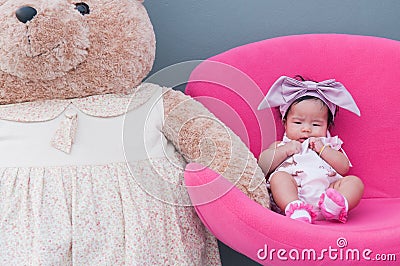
<point>312,174</point>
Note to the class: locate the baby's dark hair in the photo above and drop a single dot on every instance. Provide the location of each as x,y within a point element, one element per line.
<point>307,97</point>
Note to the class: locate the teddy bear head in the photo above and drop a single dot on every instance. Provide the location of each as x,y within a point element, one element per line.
<point>62,49</point>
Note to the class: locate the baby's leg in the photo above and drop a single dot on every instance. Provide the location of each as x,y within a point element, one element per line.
<point>341,196</point>
<point>285,193</point>
<point>283,188</point>
<point>351,187</point>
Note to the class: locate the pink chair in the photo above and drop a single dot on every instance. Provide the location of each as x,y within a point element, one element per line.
<point>233,83</point>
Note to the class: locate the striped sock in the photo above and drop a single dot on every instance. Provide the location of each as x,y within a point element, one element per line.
<point>333,205</point>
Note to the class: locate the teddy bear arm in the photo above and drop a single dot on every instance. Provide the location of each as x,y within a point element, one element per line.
<point>200,137</point>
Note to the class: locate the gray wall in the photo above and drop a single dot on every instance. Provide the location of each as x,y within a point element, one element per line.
<point>198,29</point>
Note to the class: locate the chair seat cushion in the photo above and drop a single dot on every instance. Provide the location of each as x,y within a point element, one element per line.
<point>373,228</point>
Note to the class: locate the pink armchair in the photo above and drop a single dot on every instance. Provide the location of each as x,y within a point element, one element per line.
<point>369,67</point>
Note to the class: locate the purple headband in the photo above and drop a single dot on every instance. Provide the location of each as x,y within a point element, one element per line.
<point>286,90</point>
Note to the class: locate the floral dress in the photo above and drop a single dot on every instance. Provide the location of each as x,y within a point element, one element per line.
<point>94,181</point>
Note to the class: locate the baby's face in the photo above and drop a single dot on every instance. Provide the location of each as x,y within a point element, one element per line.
<point>308,118</point>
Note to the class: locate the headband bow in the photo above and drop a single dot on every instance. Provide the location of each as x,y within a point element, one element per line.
<point>286,90</point>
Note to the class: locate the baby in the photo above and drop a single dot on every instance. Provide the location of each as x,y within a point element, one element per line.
<point>308,167</point>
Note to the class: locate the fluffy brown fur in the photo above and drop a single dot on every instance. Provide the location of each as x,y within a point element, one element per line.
<point>202,138</point>
<point>63,54</point>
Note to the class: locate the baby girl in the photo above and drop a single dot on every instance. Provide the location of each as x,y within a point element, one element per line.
<point>308,167</point>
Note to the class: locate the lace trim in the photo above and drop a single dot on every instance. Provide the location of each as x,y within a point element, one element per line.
<point>109,105</point>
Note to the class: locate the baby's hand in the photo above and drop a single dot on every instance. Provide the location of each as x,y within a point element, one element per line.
<point>292,147</point>
<point>316,144</point>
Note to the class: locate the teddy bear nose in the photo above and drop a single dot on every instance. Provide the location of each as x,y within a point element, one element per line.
<point>25,13</point>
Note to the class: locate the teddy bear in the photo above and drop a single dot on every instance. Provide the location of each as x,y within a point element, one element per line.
<point>92,157</point>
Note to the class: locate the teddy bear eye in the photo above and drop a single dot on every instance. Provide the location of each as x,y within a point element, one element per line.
<point>83,8</point>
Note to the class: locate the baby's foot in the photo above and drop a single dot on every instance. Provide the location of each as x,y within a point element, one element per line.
<point>300,211</point>
<point>333,205</point>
